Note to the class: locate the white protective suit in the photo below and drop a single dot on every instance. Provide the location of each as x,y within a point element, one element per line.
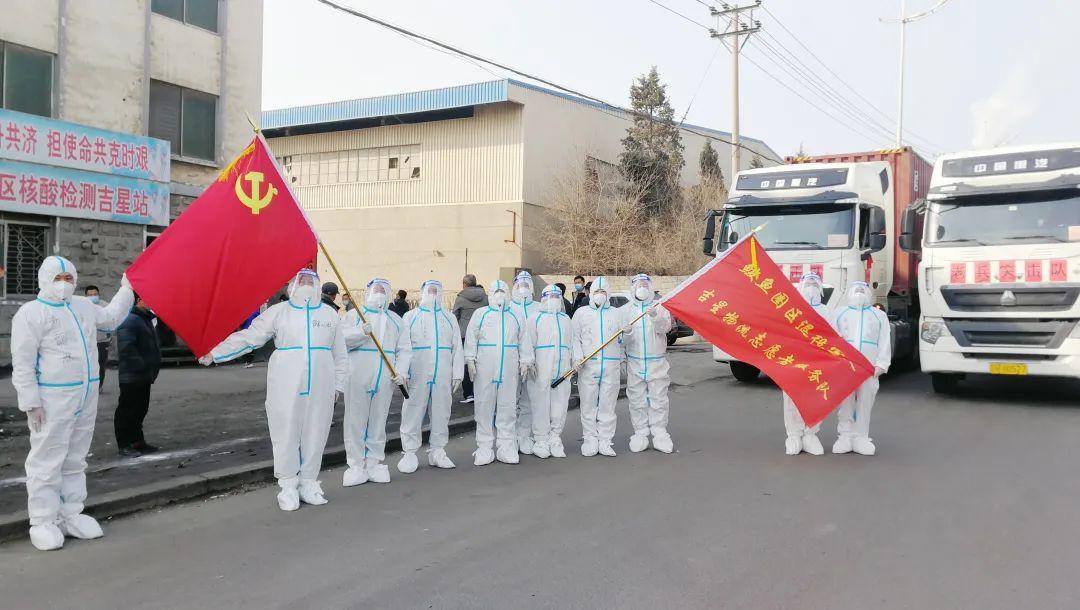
<point>525,309</point>
<point>308,368</point>
<point>54,367</point>
<point>867,328</point>
<point>647,369</point>
<point>799,437</point>
<point>550,334</point>
<point>499,349</point>
<point>598,379</point>
<point>371,387</point>
<point>435,371</point>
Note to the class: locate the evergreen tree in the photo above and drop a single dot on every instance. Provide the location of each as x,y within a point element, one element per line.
<point>755,163</point>
<point>652,156</point>
<point>709,165</point>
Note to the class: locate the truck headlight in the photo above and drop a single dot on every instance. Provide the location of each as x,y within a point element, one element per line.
<point>931,330</point>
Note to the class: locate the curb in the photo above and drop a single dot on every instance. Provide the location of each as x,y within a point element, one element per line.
<point>192,487</point>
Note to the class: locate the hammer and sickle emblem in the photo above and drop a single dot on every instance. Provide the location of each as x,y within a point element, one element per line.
<point>254,201</point>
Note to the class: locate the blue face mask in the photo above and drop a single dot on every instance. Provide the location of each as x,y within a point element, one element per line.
<point>579,287</point>
<point>94,299</point>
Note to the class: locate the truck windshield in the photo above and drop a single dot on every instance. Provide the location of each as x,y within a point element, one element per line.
<point>997,220</point>
<point>803,227</point>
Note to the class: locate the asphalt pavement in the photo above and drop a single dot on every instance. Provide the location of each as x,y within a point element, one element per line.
<point>970,503</point>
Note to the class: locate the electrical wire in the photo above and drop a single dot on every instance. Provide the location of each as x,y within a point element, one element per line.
<point>620,111</point>
<point>684,17</point>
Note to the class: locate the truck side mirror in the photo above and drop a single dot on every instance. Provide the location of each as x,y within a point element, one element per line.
<point>707,244</point>
<point>875,240</point>
<point>910,240</point>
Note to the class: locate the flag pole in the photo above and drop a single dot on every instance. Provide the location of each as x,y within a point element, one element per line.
<point>611,339</point>
<point>359,310</point>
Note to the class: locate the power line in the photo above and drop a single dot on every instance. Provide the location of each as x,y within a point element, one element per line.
<point>809,51</point>
<point>675,12</point>
<point>465,54</point>
<point>704,75</point>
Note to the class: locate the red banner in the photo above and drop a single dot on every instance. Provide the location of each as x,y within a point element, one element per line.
<point>743,304</point>
<point>233,248</point>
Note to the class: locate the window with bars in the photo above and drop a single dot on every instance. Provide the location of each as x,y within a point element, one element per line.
<point>381,164</point>
<point>25,248</point>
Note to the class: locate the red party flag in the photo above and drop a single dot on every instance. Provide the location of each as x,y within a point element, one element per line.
<point>743,303</point>
<point>233,248</point>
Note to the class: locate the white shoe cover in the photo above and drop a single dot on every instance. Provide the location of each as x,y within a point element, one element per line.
<point>557,449</point>
<point>354,475</point>
<point>662,443</point>
<point>83,527</point>
<point>311,493</point>
<point>288,499</point>
<point>541,450</point>
<point>793,445</point>
<point>605,449</point>
<point>377,471</point>
<point>507,453</point>
<point>439,459</point>
<point>639,442</point>
<point>483,456</point>
<point>589,447</point>
<point>46,537</point>
<point>863,446</point>
<point>525,445</point>
<point>842,444</point>
<point>408,463</point>
<point>812,444</point>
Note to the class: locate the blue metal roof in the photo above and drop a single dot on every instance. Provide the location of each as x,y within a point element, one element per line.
<point>474,94</point>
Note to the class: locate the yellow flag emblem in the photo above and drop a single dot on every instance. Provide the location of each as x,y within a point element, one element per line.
<point>253,200</point>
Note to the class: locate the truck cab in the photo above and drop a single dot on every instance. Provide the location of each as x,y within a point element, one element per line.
<point>999,279</point>
<point>832,219</point>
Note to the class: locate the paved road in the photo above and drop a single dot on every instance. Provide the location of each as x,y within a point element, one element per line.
<point>970,503</point>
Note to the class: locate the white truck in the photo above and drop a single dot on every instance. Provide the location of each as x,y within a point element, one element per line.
<point>999,279</point>
<point>835,216</point>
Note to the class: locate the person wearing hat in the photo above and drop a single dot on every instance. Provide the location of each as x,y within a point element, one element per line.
<point>329,294</point>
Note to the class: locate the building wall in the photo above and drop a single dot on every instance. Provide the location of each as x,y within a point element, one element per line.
<point>468,196</point>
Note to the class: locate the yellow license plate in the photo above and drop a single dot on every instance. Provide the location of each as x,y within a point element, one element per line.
<point>1008,368</point>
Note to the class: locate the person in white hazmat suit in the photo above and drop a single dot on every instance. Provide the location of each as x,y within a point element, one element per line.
<point>799,437</point>
<point>307,369</point>
<point>550,334</point>
<point>598,379</point>
<point>498,352</point>
<point>647,368</point>
<point>525,309</point>
<point>867,328</point>
<point>371,387</point>
<point>54,369</point>
<point>435,372</point>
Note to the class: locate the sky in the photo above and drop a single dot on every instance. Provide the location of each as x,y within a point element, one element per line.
<point>979,73</point>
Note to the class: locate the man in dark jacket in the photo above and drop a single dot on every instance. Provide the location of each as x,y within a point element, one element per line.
<point>329,293</point>
<point>581,299</point>
<point>471,298</point>
<point>400,306</point>
<point>139,356</point>
<point>566,304</point>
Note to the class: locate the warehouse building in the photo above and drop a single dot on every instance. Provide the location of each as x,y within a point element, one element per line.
<point>113,117</point>
<point>432,184</point>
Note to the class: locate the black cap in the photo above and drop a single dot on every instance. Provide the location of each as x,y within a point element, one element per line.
<point>330,288</point>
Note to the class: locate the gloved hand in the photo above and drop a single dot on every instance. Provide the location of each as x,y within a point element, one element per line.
<point>398,379</point>
<point>878,372</point>
<point>367,328</point>
<point>629,330</point>
<point>206,360</point>
<point>35,418</point>
<point>471,365</point>
<point>523,368</point>
<point>124,283</point>
<point>456,386</point>
<point>652,312</point>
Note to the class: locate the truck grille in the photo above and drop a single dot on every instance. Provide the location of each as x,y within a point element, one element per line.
<point>1020,297</point>
<point>1006,333</point>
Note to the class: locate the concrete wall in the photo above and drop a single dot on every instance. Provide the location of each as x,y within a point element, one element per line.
<point>31,23</point>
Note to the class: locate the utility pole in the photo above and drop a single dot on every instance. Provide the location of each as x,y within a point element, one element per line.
<point>903,20</point>
<point>735,29</point>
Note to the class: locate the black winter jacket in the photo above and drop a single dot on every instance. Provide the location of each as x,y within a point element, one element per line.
<point>138,349</point>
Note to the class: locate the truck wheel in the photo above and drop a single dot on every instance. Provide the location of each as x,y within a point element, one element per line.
<point>944,383</point>
<point>744,372</point>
